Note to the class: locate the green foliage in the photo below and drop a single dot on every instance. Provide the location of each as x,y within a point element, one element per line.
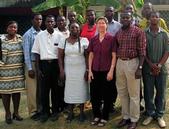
<point>80,6</point>
<point>71,2</point>
<point>48,5</point>
<point>114,3</point>
<point>139,3</point>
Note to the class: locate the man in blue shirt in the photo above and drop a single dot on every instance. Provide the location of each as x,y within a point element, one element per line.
<point>113,28</point>
<point>32,82</point>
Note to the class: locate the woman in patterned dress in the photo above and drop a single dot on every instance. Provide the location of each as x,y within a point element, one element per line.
<point>11,71</point>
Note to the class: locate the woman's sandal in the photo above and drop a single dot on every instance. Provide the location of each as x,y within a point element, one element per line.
<point>95,121</point>
<point>102,123</point>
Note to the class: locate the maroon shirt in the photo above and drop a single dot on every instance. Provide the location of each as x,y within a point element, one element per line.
<point>102,52</point>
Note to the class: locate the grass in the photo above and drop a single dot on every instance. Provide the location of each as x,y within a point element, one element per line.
<point>27,123</point>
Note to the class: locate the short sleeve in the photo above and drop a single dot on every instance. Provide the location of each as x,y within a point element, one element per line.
<point>36,45</point>
<point>166,41</point>
<point>90,46</point>
<point>62,43</point>
<point>60,36</point>
<point>85,43</point>
<point>114,44</point>
<point>4,47</point>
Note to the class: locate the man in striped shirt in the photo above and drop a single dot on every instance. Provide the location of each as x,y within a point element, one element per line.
<point>33,89</point>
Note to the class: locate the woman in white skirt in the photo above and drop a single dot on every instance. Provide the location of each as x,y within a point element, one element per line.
<point>73,68</point>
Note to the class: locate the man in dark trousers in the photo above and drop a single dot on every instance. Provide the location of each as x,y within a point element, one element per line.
<point>155,71</point>
<point>45,47</point>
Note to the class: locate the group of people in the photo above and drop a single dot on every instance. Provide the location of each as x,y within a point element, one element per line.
<point>95,61</point>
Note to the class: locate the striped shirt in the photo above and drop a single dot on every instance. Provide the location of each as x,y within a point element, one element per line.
<point>28,41</point>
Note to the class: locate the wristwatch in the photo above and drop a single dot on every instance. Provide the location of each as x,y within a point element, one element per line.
<point>140,67</point>
<point>159,65</point>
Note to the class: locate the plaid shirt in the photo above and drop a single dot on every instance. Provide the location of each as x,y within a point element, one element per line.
<point>131,43</point>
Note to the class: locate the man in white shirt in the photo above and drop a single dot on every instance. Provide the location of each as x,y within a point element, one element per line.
<point>61,26</point>
<point>45,47</point>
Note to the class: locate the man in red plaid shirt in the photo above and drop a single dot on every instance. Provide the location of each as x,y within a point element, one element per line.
<point>130,52</point>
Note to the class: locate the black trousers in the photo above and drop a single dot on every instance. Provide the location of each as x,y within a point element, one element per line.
<point>114,89</point>
<point>38,95</point>
<point>101,93</point>
<point>50,71</point>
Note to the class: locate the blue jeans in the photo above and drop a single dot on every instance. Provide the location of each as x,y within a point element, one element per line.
<point>155,99</point>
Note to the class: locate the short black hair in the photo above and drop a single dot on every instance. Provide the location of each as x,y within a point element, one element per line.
<point>35,14</point>
<point>60,16</point>
<point>126,13</point>
<point>155,12</point>
<point>50,16</point>
<point>107,7</point>
<point>90,10</point>
<point>72,12</point>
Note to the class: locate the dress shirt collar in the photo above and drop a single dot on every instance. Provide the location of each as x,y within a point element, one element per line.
<point>34,31</point>
<point>112,22</point>
<point>159,30</point>
<point>48,34</point>
<point>105,37</point>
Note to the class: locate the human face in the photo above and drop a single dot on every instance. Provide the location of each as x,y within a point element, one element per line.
<point>109,12</point>
<point>74,29</point>
<point>50,23</point>
<point>12,29</point>
<point>101,26</point>
<point>154,18</point>
<point>126,19</point>
<point>146,10</point>
<point>129,8</point>
<point>72,17</point>
<point>37,21</point>
<point>91,16</point>
<point>61,22</point>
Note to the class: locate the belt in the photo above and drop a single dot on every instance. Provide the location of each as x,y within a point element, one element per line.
<point>50,61</point>
<point>126,58</point>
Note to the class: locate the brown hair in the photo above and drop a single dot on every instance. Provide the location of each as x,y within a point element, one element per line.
<point>102,18</point>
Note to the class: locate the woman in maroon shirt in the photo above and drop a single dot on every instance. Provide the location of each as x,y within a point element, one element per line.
<point>102,59</point>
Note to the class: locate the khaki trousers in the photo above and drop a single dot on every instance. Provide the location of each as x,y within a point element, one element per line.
<point>128,88</point>
<point>31,85</point>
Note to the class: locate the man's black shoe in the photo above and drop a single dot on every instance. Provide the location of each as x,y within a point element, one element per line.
<point>44,118</point>
<point>123,123</point>
<point>54,117</point>
<point>141,108</point>
<point>36,116</point>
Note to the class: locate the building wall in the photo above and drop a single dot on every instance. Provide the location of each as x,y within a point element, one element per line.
<point>158,2</point>
<point>164,12</point>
